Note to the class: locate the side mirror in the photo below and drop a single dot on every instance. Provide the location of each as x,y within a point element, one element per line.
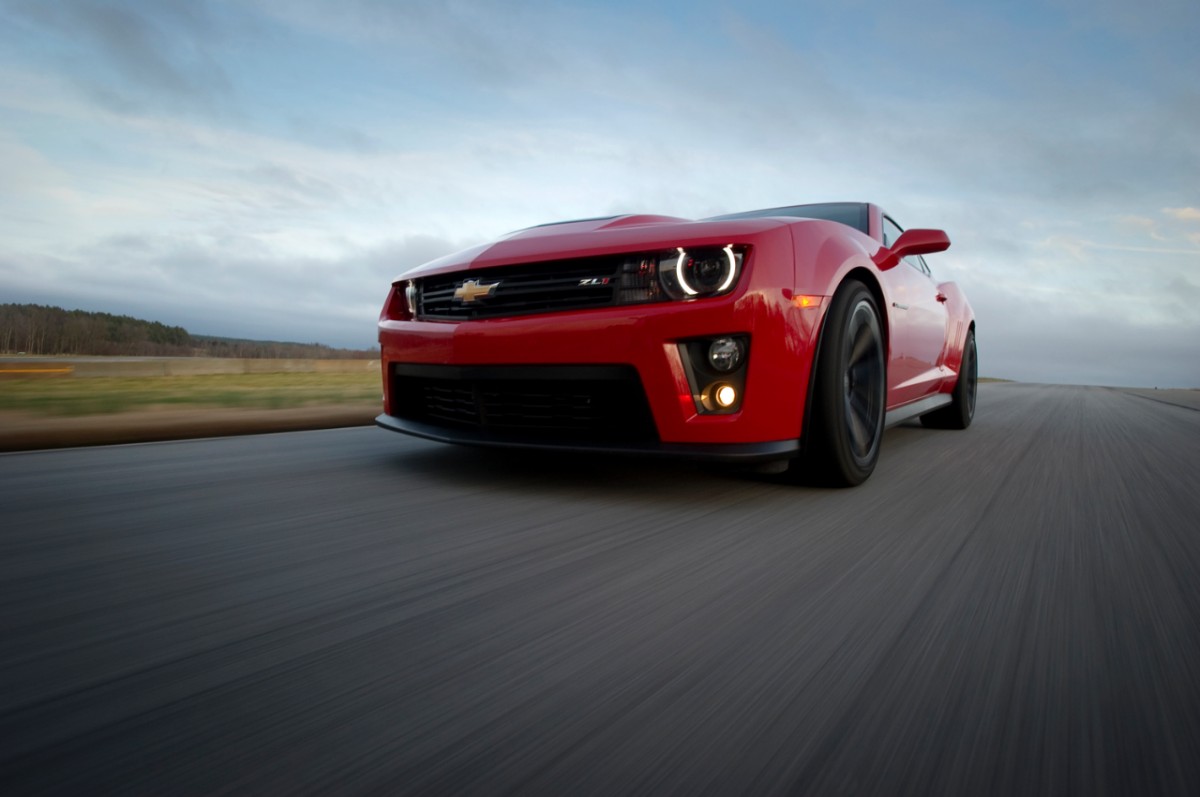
<point>912,242</point>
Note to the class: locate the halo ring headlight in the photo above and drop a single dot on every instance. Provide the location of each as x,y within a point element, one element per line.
<point>732,271</point>
<point>679,275</point>
<point>700,272</point>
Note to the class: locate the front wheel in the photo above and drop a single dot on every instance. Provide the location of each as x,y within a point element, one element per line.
<point>845,424</point>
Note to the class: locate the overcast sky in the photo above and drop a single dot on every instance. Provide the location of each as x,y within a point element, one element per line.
<point>263,168</point>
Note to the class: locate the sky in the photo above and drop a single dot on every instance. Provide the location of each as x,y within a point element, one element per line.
<point>265,168</point>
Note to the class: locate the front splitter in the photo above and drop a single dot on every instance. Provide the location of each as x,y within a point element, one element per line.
<point>735,453</point>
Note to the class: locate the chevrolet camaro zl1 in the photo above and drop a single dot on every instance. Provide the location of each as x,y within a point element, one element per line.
<point>792,334</point>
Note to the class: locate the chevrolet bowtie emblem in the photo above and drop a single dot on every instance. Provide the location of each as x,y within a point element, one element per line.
<point>471,290</point>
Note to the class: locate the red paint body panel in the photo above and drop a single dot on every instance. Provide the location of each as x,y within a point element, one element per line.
<point>786,258</point>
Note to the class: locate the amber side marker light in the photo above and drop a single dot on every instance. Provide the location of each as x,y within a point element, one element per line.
<point>804,302</point>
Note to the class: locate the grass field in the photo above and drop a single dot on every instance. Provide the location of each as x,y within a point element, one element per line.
<point>71,397</point>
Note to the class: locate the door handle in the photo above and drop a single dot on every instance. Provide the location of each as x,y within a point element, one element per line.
<point>941,297</point>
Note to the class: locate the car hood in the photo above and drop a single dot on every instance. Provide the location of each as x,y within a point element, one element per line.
<point>597,237</point>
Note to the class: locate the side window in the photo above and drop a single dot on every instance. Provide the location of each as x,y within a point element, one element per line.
<point>925,267</point>
<point>916,262</point>
<point>891,231</point>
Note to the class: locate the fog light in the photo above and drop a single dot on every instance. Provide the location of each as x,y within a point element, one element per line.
<point>725,354</point>
<point>725,396</point>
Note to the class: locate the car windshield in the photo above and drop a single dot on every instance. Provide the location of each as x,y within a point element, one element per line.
<point>852,214</point>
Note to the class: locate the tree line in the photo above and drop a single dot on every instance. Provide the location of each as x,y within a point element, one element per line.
<point>43,330</point>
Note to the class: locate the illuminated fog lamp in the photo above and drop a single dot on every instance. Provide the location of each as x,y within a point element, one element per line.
<point>725,396</point>
<point>726,354</point>
<point>410,298</point>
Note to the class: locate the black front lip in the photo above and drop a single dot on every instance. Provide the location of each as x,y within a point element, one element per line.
<point>741,453</point>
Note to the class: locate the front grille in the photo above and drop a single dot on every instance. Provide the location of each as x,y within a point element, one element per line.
<point>525,289</point>
<point>543,403</point>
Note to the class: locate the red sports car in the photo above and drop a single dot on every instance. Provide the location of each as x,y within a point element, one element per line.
<point>791,334</point>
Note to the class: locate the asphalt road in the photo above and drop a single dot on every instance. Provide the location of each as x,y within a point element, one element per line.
<point>1014,609</point>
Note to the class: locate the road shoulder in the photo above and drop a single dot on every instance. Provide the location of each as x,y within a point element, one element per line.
<point>21,431</point>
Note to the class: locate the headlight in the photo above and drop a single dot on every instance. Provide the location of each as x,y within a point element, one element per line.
<point>700,272</point>
<point>680,273</point>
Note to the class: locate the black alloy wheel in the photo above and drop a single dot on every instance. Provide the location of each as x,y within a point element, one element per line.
<point>845,425</point>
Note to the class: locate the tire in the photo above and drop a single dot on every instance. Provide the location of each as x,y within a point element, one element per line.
<point>845,423</point>
<point>961,410</point>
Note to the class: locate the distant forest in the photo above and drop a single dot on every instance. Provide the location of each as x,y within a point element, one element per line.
<point>34,329</point>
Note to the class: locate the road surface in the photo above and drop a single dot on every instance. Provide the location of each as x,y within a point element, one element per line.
<point>1013,609</point>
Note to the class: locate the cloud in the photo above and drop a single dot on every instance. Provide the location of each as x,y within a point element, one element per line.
<point>1146,225</point>
<point>1185,289</point>
<point>1183,214</point>
<point>1133,21</point>
<point>137,53</point>
<point>1039,338</point>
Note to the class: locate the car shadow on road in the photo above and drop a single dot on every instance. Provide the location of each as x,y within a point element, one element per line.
<point>585,474</point>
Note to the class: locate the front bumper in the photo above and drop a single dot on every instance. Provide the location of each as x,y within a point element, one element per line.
<point>645,341</point>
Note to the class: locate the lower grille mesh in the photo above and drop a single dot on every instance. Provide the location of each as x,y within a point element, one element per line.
<point>561,403</point>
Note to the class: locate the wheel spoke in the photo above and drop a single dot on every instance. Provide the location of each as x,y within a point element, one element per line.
<point>859,402</point>
<point>862,344</point>
<point>860,436</point>
<point>861,375</point>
